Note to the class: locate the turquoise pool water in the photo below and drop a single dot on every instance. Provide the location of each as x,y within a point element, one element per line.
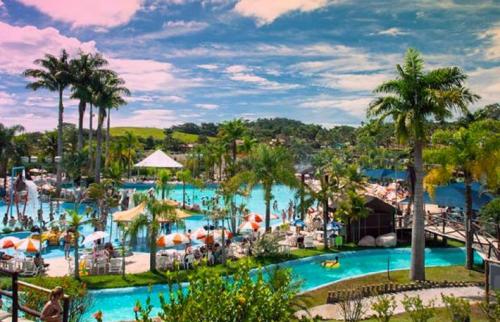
<point>117,304</point>
<point>254,202</point>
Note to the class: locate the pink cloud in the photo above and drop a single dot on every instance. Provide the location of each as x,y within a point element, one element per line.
<point>265,11</point>
<point>20,46</point>
<point>103,13</point>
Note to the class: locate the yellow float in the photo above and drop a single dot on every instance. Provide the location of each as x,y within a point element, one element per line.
<point>330,264</point>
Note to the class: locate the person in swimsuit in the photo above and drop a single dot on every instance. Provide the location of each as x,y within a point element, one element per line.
<point>52,311</point>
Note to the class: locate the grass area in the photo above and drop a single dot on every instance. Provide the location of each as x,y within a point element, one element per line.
<point>143,132</point>
<point>440,315</point>
<point>449,273</point>
<point>157,134</point>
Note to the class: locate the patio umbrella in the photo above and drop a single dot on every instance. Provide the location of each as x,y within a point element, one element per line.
<point>96,235</point>
<point>28,245</point>
<point>9,242</point>
<point>249,225</point>
<point>172,240</point>
<point>218,234</point>
<point>254,217</point>
<point>199,233</point>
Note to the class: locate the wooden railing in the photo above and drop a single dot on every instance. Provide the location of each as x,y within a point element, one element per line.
<point>14,296</point>
<point>448,227</point>
<point>389,288</point>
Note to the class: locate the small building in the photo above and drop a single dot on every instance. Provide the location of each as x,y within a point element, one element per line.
<point>380,221</point>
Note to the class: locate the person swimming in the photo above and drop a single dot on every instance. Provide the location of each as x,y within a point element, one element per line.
<point>331,263</point>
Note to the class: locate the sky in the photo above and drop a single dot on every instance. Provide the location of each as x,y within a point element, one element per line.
<point>212,60</point>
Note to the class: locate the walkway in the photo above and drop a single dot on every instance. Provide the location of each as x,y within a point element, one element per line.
<point>333,311</point>
<point>137,263</point>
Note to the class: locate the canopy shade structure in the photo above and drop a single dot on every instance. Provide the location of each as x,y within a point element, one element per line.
<point>129,214</point>
<point>158,159</point>
<point>179,214</point>
<point>453,195</point>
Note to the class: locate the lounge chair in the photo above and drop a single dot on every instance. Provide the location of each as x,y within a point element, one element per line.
<point>309,242</point>
<point>29,268</point>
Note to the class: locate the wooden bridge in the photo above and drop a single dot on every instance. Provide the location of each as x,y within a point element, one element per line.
<point>449,228</point>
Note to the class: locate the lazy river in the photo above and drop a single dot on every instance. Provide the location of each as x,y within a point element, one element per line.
<point>117,304</point>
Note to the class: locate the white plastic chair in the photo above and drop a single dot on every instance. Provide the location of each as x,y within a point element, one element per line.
<point>115,266</point>
<point>309,242</point>
<point>29,268</point>
<point>101,265</point>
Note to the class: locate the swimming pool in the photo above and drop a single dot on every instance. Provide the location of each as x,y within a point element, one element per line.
<point>117,304</point>
<point>254,202</point>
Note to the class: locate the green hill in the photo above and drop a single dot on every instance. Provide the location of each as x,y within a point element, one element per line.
<point>145,132</point>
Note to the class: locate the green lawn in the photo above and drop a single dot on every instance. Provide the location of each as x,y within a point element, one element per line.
<point>143,132</point>
<point>449,273</point>
<point>157,134</point>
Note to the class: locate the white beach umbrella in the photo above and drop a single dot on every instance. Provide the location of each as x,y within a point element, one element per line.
<point>96,235</point>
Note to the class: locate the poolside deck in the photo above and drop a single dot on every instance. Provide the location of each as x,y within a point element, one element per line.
<point>137,263</point>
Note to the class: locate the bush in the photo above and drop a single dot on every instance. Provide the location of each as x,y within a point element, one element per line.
<point>492,309</point>
<point>458,308</point>
<point>384,307</point>
<point>418,311</point>
<point>240,297</point>
<point>77,291</point>
<point>352,306</point>
<point>267,245</point>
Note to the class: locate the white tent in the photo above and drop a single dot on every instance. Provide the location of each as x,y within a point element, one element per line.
<point>158,160</point>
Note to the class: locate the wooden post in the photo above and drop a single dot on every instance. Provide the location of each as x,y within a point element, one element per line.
<point>15,297</point>
<point>487,281</point>
<point>66,309</point>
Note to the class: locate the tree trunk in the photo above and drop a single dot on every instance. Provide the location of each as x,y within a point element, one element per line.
<point>183,194</point>
<point>417,269</point>
<point>77,262</point>
<point>81,113</point>
<point>129,161</point>
<point>60,141</point>
<point>90,139</point>
<point>302,208</point>
<point>235,151</point>
<point>98,152</point>
<point>106,151</point>
<point>325,216</point>
<point>152,247</point>
<point>124,252</point>
<point>469,231</point>
<point>267,197</point>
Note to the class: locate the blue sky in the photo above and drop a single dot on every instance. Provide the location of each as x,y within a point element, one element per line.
<point>212,60</point>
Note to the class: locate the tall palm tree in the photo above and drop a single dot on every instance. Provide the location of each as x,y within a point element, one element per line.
<point>162,181</point>
<point>185,177</point>
<point>156,209</point>
<point>473,151</point>
<point>267,166</point>
<point>131,143</point>
<point>413,99</point>
<point>108,93</point>
<point>75,223</point>
<point>83,69</point>
<point>54,75</point>
<point>230,132</point>
<point>8,147</point>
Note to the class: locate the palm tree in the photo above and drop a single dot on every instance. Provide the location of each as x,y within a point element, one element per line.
<point>131,142</point>
<point>162,181</point>
<point>75,223</point>
<point>186,177</point>
<point>230,132</point>
<point>55,76</point>
<point>268,166</point>
<point>413,99</point>
<point>473,151</point>
<point>83,69</point>
<point>157,209</point>
<point>8,147</point>
<point>108,93</point>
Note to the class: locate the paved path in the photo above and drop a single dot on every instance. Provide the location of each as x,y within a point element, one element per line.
<point>333,312</point>
<point>137,263</point>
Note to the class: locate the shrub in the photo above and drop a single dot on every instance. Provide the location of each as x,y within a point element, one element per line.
<point>384,308</point>
<point>268,245</point>
<point>418,311</point>
<point>492,309</point>
<point>458,308</point>
<point>352,306</point>
<point>240,297</point>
